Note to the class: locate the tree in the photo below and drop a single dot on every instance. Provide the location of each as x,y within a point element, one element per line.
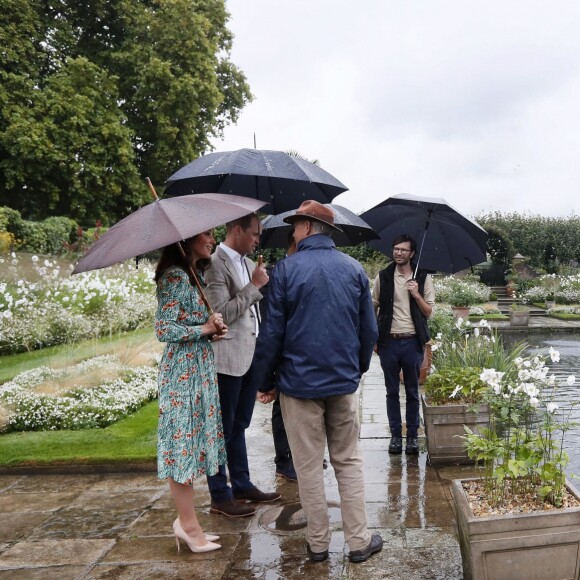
<point>499,245</point>
<point>96,96</point>
<point>546,242</point>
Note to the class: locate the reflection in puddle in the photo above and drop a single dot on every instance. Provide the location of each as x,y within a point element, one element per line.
<point>291,518</point>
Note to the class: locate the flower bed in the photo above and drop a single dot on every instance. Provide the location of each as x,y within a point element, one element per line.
<point>49,309</point>
<point>451,290</point>
<point>76,407</point>
<point>562,289</point>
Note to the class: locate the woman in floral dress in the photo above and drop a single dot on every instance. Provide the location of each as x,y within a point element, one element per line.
<point>190,440</point>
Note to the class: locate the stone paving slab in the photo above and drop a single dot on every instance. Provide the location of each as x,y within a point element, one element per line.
<point>118,525</point>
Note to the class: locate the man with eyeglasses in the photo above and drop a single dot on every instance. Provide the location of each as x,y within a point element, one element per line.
<point>403,302</point>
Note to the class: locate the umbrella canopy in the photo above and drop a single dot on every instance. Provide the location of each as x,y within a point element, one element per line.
<point>447,241</point>
<point>280,180</point>
<point>164,222</point>
<point>354,229</point>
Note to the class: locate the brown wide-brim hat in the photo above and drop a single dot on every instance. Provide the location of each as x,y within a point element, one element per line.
<point>313,210</point>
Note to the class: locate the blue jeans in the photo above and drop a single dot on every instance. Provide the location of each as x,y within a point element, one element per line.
<point>237,400</point>
<point>396,356</point>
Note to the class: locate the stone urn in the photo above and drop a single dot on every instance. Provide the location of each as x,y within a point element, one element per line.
<point>527,546</point>
<point>519,317</point>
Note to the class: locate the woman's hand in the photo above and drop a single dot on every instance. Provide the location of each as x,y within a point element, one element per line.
<point>215,326</point>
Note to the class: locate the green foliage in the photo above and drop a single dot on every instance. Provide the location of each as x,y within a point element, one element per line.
<point>46,237</point>
<point>94,97</point>
<point>466,345</point>
<point>441,323</point>
<point>522,449</point>
<point>465,291</point>
<point>546,241</point>
<point>455,385</point>
<point>499,245</point>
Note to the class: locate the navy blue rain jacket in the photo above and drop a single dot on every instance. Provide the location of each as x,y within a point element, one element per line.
<point>319,327</point>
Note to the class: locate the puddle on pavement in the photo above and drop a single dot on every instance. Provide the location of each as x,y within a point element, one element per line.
<point>290,518</point>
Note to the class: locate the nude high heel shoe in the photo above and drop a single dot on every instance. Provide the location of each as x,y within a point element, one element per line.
<point>208,537</point>
<point>180,534</point>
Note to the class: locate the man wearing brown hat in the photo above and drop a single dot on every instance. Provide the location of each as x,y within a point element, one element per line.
<point>319,334</point>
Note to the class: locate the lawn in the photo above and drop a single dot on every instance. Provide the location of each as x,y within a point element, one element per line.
<point>131,440</point>
<point>65,355</point>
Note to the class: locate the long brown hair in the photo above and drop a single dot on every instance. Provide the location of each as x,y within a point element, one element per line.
<point>171,256</point>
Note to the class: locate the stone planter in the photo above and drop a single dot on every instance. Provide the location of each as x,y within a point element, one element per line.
<point>519,317</point>
<point>534,546</point>
<point>444,427</point>
<point>460,312</point>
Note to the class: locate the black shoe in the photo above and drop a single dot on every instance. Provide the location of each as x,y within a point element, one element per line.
<point>396,445</point>
<point>412,447</point>
<point>316,556</point>
<point>255,495</point>
<point>375,545</point>
<point>232,509</point>
<point>287,472</point>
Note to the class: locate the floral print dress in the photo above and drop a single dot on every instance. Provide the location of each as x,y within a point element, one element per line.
<point>190,441</point>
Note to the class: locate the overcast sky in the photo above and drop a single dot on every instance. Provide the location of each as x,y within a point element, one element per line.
<point>476,102</point>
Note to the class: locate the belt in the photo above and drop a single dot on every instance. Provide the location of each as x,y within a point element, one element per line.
<point>402,336</point>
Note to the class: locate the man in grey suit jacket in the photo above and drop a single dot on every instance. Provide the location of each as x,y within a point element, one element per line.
<point>233,288</point>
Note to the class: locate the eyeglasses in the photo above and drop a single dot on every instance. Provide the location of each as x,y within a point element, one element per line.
<point>401,251</point>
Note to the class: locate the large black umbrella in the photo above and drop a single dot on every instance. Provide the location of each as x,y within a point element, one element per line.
<point>447,241</point>
<point>279,179</point>
<point>354,229</point>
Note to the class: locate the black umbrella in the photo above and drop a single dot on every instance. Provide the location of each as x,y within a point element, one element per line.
<point>275,177</point>
<point>354,229</point>
<point>447,241</point>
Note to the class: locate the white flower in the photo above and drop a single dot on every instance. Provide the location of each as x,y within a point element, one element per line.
<point>571,380</point>
<point>455,391</point>
<point>534,401</point>
<point>476,331</point>
<point>551,407</point>
<point>554,355</point>
<point>34,258</point>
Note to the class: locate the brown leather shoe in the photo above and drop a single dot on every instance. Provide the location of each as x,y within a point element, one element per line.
<point>232,509</point>
<point>256,496</point>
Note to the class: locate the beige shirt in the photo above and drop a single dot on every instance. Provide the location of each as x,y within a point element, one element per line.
<point>402,321</point>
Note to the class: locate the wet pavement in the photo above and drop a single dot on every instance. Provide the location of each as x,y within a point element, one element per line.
<point>118,525</point>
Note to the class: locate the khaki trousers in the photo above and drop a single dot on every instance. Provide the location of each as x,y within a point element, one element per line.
<point>311,424</point>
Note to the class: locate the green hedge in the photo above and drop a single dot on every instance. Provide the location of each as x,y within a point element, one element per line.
<point>45,237</point>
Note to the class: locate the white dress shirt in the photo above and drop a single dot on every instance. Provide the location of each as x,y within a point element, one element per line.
<point>243,274</point>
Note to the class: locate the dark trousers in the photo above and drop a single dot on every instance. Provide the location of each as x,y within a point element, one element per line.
<point>405,355</point>
<point>283,456</point>
<point>237,400</point>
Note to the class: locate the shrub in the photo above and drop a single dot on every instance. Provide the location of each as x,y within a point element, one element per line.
<point>460,291</point>
<point>455,385</point>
